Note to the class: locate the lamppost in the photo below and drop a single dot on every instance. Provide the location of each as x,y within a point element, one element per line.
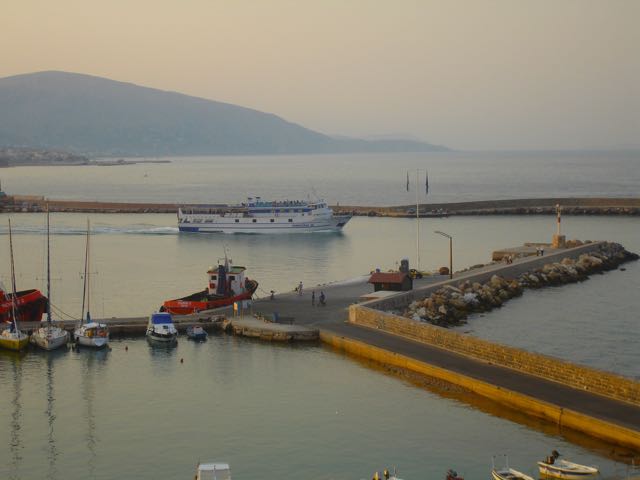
<point>450,251</point>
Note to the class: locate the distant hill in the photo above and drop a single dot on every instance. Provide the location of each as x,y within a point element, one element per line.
<point>97,116</point>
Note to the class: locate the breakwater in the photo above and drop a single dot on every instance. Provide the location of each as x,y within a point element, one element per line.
<point>536,206</point>
<point>451,304</point>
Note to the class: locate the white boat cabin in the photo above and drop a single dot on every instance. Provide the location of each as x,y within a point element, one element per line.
<point>226,280</point>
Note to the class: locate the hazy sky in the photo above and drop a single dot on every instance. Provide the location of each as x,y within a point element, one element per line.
<point>469,74</point>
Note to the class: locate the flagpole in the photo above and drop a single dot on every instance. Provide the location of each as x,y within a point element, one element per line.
<point>417,224</point>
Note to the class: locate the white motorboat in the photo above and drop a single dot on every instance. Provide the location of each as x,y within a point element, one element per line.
<point>566,469</point>
<point>49,336</point>
<point>89,333</point>
<point>258,216</point>
<point>552,467</point>
<point>213,471</point>
<point>161,328</point>
<point>507,473</point>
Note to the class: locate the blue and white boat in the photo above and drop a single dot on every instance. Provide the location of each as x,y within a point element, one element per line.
<point>161,328</point>
<point>258,216</point>
<point>196,332</point>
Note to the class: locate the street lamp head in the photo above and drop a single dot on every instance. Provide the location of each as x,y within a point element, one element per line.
<point>443,234</point>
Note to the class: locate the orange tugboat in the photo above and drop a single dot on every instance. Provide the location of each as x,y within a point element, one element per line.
<point>30,305</point>
<point>227,284</point>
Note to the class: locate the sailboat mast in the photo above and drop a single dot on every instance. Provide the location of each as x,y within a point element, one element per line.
<point>86,261</point>
<point>48,273</point>
<point>13,282</point>
<point>88,273</point>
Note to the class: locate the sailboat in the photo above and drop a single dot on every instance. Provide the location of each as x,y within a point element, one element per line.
<point>12,338</point>
<point>89,333</point>
<point>49,336</point>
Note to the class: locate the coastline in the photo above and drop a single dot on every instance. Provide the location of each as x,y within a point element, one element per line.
<point>629,206</point>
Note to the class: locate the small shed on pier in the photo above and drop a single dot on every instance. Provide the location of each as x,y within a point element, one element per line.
<point>391,281</point>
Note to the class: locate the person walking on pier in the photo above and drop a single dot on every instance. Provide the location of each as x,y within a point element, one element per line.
<point>300,288</point>
<point>322,299</point>
<point>313,298</point>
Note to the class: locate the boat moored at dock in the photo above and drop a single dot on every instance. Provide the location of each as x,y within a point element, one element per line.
<point>161,328</point>
<point>227,285</point>
<point>12,338</point>
<point>552,467</point>
<point>258,216</point>
<point>49,336</point>
<point>89,333</point>
<point>197,333</point>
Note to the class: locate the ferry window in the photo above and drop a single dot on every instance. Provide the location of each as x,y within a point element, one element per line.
<point>237,221</point>
<point>271,220</point>
<point>232,277</point>
<point>214,277</point>
<point>254,220</point>
<point>290,220</point>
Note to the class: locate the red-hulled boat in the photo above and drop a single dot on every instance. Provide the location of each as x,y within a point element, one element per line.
<point>30,305</point>
<point>226,286</point>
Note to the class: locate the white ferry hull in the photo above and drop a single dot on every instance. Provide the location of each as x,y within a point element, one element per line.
<point>334,224</point>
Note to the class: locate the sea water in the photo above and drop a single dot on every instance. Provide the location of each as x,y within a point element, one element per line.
<point>286,411</point>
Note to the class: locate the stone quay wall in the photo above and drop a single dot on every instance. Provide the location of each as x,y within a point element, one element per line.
<point>375,315</point>
<point>550,368</point>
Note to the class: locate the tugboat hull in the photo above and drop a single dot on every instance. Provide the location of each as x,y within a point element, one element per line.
<point>200,301</point>
<point>30,306</point>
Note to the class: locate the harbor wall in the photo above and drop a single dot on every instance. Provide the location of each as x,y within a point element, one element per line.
<point>373,315</point>
<point>564,418</point>
<point>584,378</point>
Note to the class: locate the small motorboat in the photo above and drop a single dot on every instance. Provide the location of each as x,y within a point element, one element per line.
<point>507,473</point>
<point>196,332</point>
<point>213,471</point>
<point>552,467</point>
<point>161,328</point>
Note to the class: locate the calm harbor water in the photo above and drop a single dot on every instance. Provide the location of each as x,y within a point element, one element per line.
<point>287,411</point>
<point>347,179</point>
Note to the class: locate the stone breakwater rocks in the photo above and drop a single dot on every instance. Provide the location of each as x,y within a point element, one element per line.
<point>450,305</point>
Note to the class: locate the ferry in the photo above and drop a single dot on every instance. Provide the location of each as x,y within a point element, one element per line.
<point>258,216</point>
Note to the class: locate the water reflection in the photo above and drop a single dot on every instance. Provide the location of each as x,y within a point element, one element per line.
<point>93,362</point>
<point>163,357</point>
<point>52,452</point>
<point>15,440</point>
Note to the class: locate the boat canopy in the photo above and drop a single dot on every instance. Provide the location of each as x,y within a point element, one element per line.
<point>214,471</point>
<point>162,318</point>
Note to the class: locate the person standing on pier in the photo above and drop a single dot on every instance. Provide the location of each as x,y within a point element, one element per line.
<point>300,288</point>
<point>322,299</point>
<point>313,298</point>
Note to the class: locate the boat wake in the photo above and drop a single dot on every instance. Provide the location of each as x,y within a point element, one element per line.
<point>97,230</point>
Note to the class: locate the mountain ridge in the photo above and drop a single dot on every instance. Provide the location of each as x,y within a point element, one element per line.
<point>98,116</point>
